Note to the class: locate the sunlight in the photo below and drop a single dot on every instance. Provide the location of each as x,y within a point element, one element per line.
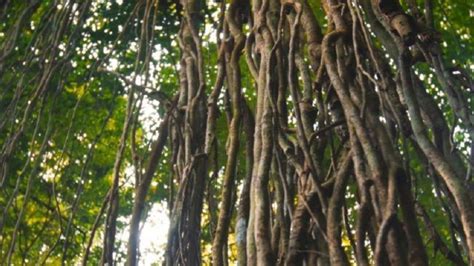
<point>153,235</point>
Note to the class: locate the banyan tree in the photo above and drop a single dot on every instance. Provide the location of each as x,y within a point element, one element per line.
<point>257,132</point>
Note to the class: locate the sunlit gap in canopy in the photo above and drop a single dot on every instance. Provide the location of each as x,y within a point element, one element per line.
<point>155,223</point>
<point>154,226</point>
<point>153,235</point>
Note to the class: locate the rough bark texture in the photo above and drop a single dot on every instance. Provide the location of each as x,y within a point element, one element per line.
<point>309,148</point>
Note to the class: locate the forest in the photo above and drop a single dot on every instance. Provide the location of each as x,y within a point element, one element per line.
<point>236,132</point>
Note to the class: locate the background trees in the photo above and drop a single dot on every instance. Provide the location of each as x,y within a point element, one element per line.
<point>277,132</point>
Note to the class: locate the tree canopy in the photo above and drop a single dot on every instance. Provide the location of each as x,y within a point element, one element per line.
<point>289,132</point>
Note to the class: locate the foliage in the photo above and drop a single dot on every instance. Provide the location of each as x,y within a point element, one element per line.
<point>87,86</point>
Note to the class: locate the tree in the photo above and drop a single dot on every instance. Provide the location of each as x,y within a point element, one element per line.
<point>291,132</point>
